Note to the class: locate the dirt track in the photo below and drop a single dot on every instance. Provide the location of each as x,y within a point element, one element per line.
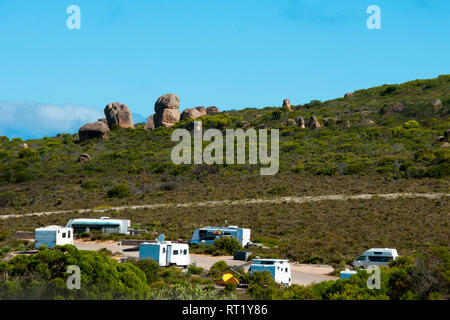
<point>304,199</point>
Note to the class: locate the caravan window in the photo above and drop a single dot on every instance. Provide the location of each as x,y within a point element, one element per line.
<point>185,251</point>
<point>64,235</point>
<point>68,234</point>
<point>175,252</point>
<point>361,258</point>
<point>379,259</point>
<point>164,250</point>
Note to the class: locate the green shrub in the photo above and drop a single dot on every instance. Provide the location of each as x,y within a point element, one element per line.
<point>227,244</point>
<point>230,287</point>
<point>89,184</point>
<point>355,168</point>
<point>151,269</point>
<point>6,249</point>
<point>193,269</point>
<point>119,191</point>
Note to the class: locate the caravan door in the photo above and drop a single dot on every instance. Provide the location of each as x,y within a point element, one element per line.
<point>168,254</point>
<point>163,255</point>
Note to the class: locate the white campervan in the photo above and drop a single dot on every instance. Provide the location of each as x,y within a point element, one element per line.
<point>375,257</point>
<point>166,253</point>
<point>279,269</point>
<point>52,236</point>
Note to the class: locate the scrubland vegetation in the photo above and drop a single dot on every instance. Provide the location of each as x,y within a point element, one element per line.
<point>401,150</point>
<point>43,276</point>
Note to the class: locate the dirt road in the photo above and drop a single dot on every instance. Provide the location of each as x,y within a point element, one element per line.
<point>302,274</point>
<point>304,199</point>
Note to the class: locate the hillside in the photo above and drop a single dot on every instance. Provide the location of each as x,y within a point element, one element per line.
<point>380,140</point>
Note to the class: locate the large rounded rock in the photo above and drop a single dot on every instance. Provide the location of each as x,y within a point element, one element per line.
<point>167,118</point>
<point>202,110</point>
<point>97,129</point>
<point>313,123</point>
<point>167,101</point>
<point>212,110</point>
<point>120,114</point>
<point>190,114</point>
<point>287,104</point>
<point>301,122</point>
<point>167,110</point>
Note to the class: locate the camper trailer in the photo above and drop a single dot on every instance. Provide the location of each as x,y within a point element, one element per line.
<point>166,253</point>
<point>52,236</point>
<point>279,269</point>
<point>207,235</point>
<point>375,257</point>
<point>104,224</point>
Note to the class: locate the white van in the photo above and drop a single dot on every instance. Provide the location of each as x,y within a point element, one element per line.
<point>52,236</point>
<point>166,253</point>
<point>375,257</point>
<point>279,269</point>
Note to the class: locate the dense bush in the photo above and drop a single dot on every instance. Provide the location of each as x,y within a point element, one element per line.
<point>119,191</point>
<point>227,244</point>
<point>43,276</point>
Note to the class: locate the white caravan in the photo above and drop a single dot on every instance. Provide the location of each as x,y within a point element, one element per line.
<point>104,224</point>
<point>375,257</point>
<point>166,253</point>
<point>279,269</point>
<point>52,236</point>
<point>207,235</point>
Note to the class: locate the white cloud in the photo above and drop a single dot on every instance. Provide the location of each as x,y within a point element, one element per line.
<point>29,120</point>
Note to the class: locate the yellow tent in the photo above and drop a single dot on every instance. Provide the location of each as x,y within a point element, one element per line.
<point>228,278</point>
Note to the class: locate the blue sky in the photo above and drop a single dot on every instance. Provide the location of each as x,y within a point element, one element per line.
<point>228,53</point>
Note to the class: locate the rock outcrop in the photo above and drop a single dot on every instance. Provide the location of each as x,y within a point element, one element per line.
<point>348,94</point>
<point>212,110</point>
<point>313,123</point>
<point>287,104</point>
<point>84,158</point>
<point>120,114</point>
<point>202,110</point>
<point>167,111</point>
<point>291,122</point>
<point>301,122</point>
<point>24,145</point>
<point>150,125</point>
<point>97,129</point>
<point>437,103</point>
<point>190,114</point>
<point>367,122</point>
